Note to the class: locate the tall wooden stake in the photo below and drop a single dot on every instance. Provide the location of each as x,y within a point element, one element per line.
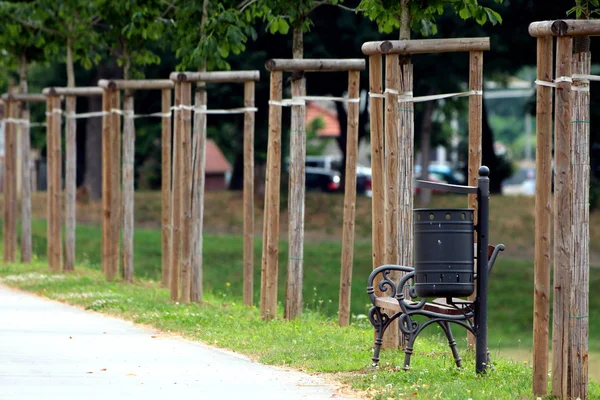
<point>268,293</point>
<point>70,182</point>
<point>115,183</point>
<point>128,185</point>
<point>377,159</point>
<point>198,173</point>
<point>475,129</point>
<point>54,184</point>
<point>392,179</point>
<point>186,192</point>
<point>563,219</point>
<point>176,199</point>
<point>405,172</point>
<point>580,275</point>
<point>10,192</point>
<point>167,228</point>
<point>543,207</point>
<point>25,187</point>
<point>296,199</point>
<point>106,185</point>
<point>248,194</point>
<point>349,199</point>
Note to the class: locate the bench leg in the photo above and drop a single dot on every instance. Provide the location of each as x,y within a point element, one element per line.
<point>451,342</point>
<point>379,326</point>
<point>408,351</point>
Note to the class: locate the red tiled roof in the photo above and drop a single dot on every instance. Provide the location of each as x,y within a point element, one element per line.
<point>329,117</point>
<point>215,160</point>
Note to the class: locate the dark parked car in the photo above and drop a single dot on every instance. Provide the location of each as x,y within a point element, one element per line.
<point>322,180</point>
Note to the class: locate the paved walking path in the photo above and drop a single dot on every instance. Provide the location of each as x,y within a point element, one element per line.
<point>53,351</point>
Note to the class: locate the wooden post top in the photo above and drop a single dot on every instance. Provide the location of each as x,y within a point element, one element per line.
<point>565,27</point>
<point>26,97</point>
<point>216,76</point>
<point>308,64</point>
<point>424,46</point>
<point>135,84</point>
<point>73,91</point>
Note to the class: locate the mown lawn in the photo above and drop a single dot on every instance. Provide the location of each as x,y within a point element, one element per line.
<point>315,344</point>
<point>511,284</point>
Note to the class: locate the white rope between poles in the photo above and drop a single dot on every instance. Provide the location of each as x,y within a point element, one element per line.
<point>301,100</point>
<point>240,110</point>
<point>406,97</point>
<point>24,122</point>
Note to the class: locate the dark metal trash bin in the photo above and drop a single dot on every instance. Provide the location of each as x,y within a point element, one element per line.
<point>444,252</point>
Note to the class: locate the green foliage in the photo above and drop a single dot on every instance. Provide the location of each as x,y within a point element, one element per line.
<point>225,32</point>
<point>20,39</point>
<point>132,28</point>
<point>585,9</point>
<point>314,144</point>
<point>423,14</point>
<point>74,22</point>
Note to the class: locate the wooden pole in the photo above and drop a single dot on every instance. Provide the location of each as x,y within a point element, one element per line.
<point>349,199</point>
<point>268,293</point>
<point>543,216</point>
<point>167,228</point>
<point>10,195</point>
<point>324,65</point>
<point>216,76</point>
<point>186,193</point>
<point>136,84</point>
<point>70,182</point>
<point>198,173</point>
<point>176,199</point>
<point>563,220</point>
<point>422,46</point>
<point>54,185</point>
<point>296,199</point>
<point>580,275</point>
<point>128,185</point>
<point>106,181</point>
<point>405,172</point>
<point>571,27</point>
<point>377,161</point>
<point>115,182</point>
<point>392,179</point>
<point>475,129</point>
<point>248,194</point>
<point>25,187</point>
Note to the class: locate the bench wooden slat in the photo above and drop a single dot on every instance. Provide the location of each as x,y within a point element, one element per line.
<point>438,305</point>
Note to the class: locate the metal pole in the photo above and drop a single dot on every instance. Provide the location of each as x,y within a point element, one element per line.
<point>483,210</point>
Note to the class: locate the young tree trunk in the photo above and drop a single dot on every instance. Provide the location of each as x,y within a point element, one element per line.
<point>25,171</point>
<point>128,175</point>
<point>580,271</point>
<point>293,298</point>
<point>198,180</point>
<point>71,165</point>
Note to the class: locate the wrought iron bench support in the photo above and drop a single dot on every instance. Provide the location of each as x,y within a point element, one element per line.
<point>470,315</point>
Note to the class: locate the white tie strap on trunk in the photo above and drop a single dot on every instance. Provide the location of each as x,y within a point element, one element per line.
<point>287,102</point>
<point>377,95</point>
<point>406,97</point>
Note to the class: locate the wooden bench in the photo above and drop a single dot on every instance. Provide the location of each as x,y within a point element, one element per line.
<point>392,305</point>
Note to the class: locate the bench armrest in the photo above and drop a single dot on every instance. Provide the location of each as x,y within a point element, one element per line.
<point>492,258</point>
<point>387,284</point>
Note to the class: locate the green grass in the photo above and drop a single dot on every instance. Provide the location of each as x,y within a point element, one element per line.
<point>314,344</point>
<point>510,298</point>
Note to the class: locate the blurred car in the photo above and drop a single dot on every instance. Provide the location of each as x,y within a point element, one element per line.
<point>521,183</point>
<point>444,173</point>
<point>322,180</point>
